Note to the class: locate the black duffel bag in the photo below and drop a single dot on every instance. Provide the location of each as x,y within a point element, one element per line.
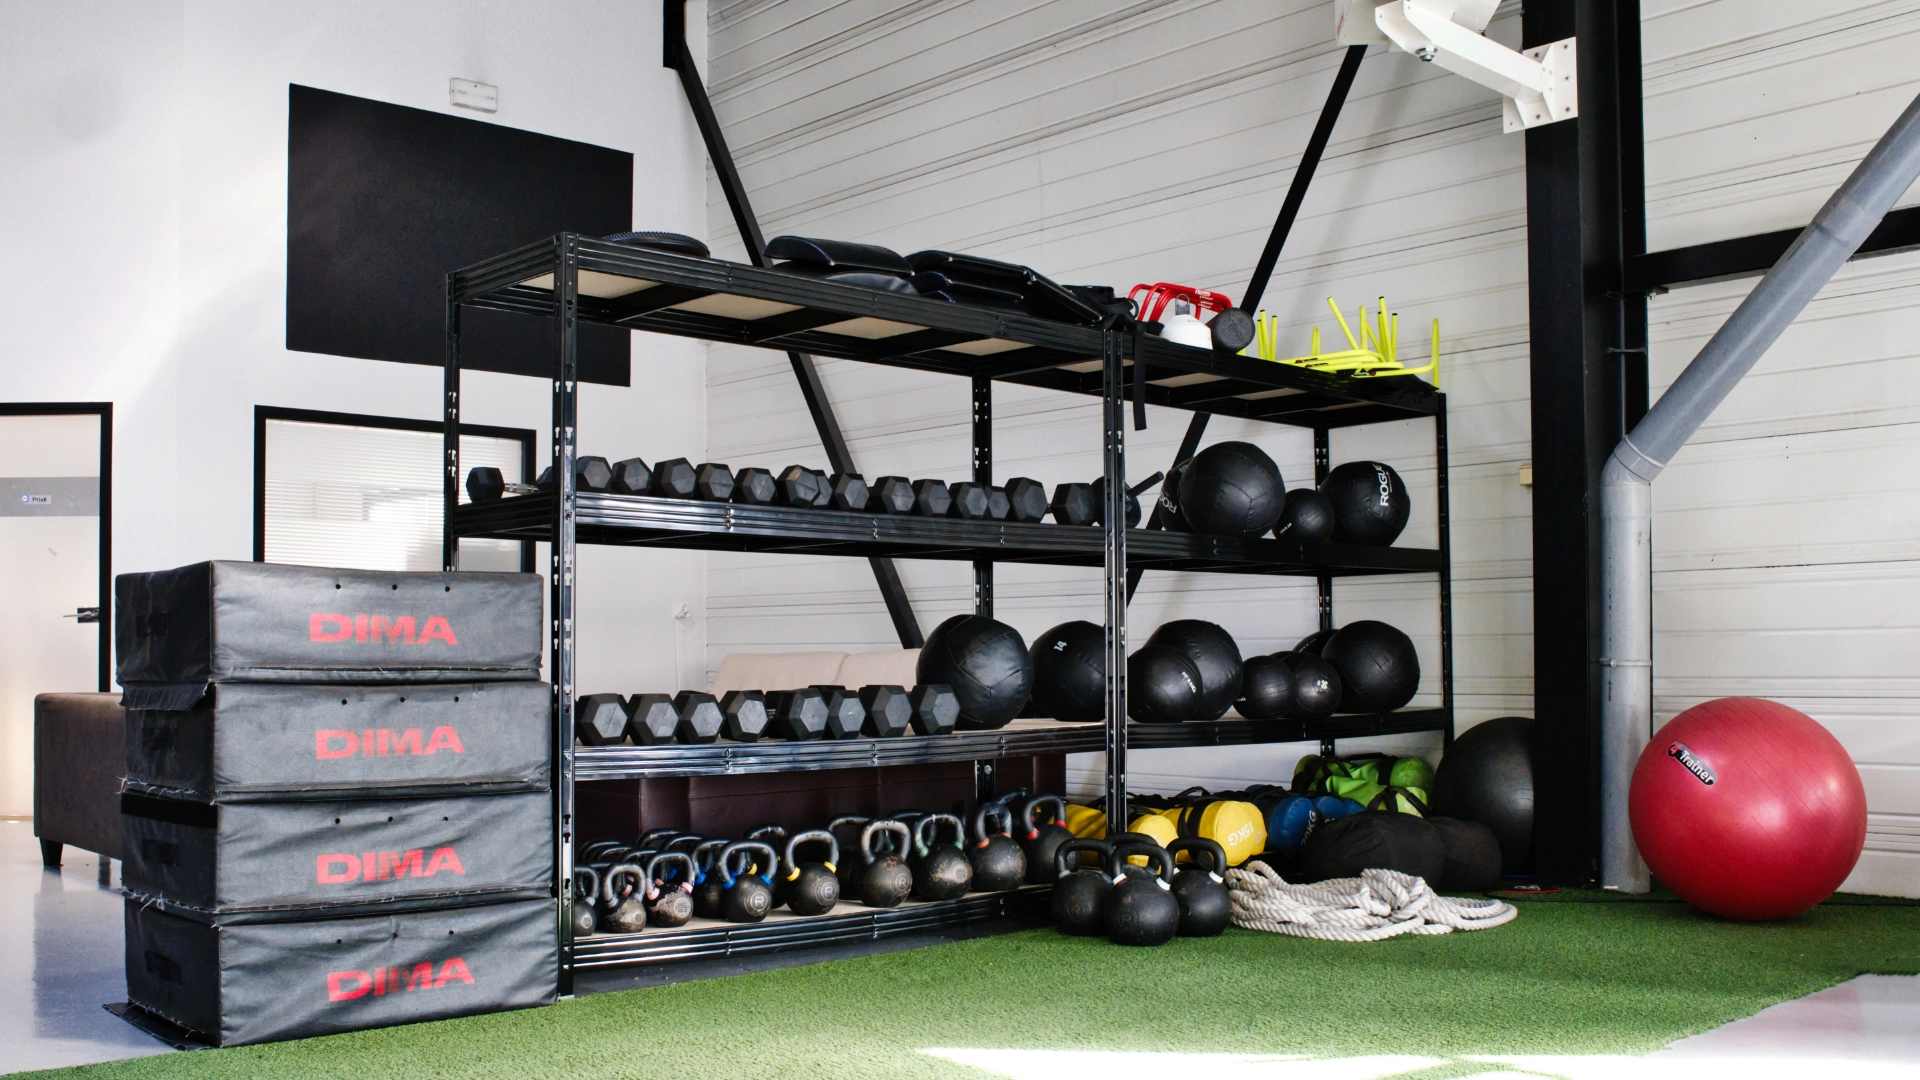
<point>1374,840</point>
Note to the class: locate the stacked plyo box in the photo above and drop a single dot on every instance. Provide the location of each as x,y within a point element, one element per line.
<point>338,803</point>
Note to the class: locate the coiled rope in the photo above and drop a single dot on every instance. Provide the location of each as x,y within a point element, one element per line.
<point>1377,905</point>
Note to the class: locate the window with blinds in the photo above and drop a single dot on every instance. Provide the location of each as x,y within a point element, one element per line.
<point>368,496</point>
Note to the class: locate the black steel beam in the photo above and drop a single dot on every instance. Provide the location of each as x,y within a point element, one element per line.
<point>1303,176</point>
<point>1751,256</point>
<point>677,57</point>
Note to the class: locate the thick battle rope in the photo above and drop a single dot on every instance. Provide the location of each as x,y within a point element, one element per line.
<point>1378,904</point>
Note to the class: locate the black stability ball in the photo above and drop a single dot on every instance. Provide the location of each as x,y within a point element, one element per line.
<point>1213,654</point>
<point>1232,489</point>
<point>1487,776</point>
<point>1316,686</point>
<point>1379,670</point>
<point>1314,642</point>
<point>1266,688</point>
<point>1370,504</point>
<point>1070,672</point>
<point>1163,686</point>
<point>1306,519</point>
<point>985,662</point>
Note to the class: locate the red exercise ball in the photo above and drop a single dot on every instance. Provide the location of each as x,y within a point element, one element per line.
<point>1748,809</point>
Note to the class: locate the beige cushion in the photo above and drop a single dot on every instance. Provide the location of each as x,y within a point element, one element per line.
<point>776,671</point>
<point>894,667</point>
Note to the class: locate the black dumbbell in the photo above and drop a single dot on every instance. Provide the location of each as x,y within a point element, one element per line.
<point>1231,330</point>
<point>631,477</point>
<point>936,709</point>
<point>700,717</point>
<point>754,487</point>
<point>712,483</point>
<point>822,488</point>
<point>930,498</point>
<point>651,719</point>
<point>1073,504</point>
<point>848,492</point>
<point>743,715</point>
<point>1026,500</point>
<point>544,482</point>
<point>890,495</point>
<point>600,719</point>
<point>798,715</point>
<point>591,474</point>
<point>485,483</point>
<point>998,505</point>
<point>969,500</point>
<point>845,714</point>
<point>796,486</point>
<point>674,479</point>
<point>889,712</point>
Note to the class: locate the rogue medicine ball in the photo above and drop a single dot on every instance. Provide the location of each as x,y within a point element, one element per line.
<point>1306,519</point>
<point>985,662</point>
<point>1070,672</point>
<point>1379,670</point>
<point>1232,489</point>
<point>1487,776</point>
<point>1213,654</point>
<point>1370,504</point>
<point>1163,686</point>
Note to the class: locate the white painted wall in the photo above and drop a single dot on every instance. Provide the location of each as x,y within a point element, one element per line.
<point>1114,144</point>
<point>143,212</point>
<point>1786,563</point>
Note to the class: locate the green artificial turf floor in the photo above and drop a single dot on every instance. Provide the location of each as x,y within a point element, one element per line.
<point>1563,978</point>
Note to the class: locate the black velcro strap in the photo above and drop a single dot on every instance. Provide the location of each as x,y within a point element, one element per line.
<point>1139,378</point>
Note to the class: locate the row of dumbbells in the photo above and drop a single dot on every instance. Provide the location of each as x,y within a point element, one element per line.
<point>1020,499</point>
<point>813,712</point>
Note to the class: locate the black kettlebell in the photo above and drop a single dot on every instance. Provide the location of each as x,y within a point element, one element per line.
<point>707,886</point>
<point>586,890</point>
<point>884,877</point>
<point>746,872</point>
<point>940,868</point>
<point>669,889</point>
<point>1141,910</point>
<point>623,904</point>
<point>1080,895</point>
<point>775,837</point>
<point>812,888</point>
<point>849,842</point>
<point>1205,905</point>
<point>1038,842</point>
<point>998,862</point>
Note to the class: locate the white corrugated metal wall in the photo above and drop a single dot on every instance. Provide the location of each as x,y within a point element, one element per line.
<point>1786,563</point>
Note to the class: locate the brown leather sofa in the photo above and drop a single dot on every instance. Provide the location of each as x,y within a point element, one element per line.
<point>79,755</point>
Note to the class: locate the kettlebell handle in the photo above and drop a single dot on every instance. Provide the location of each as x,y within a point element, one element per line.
<point>744,848</point>
<point>1053,802</point>
<point>1200,845</point>
<point>588,889</point>
<point>1063,853</point>
<point>1154,854</point>
<point>980,815</point>
<point>703,858</point>
<point>610,895</point>
<point>668,858</point>
<point>923,832</point>
<point>875,828</point>
<point>811,836</point>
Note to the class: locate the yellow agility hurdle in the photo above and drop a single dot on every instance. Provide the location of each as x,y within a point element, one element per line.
<point>1375,353</point>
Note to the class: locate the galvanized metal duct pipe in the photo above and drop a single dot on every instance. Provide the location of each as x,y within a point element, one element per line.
<point>1626,493</point>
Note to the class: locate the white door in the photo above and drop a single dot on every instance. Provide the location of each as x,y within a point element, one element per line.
<point>50,556</point>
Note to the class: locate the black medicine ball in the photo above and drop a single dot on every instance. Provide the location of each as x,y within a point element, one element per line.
<point>1306,519</point>
<point>1266,688</point>
<point>1377,665</point>
<point>1370,504</point>
<point>1213,654</point>
<point>1162,686</point>
<point>1070,672</point>
<point>985,662</point>
<point>1170,517</point>
<point>1316,686</point>
<point>1314,642</point>
<point>1232,489</point>
<point>1487,776</point>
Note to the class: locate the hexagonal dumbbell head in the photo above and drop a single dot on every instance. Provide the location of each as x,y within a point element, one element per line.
<point>711,482</point>
<point>674,479</point>
<point>600,719</point>
<point>795,486</point>
<point>545,480</point>
<point>930,498</point>
<point>591,474</point>
<point>822,489</point>
<point>651,719</point>
<point>1073,504</point>
<point>1026,500</point>
<point>890,495</point>
<point>998,505</point>
<point>744,713</point>
<point>889,711</point>
<point>700,716</point>
<point>845,714</point>
<point>631,477</point>
<point>847,491</point>
<point>798,714</point>
<point>969,500</point>
<point>936,709</point>
<point>485,484</point>
<point>754,487</point>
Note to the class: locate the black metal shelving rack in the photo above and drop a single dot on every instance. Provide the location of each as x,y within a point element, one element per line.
<point>572,278</point>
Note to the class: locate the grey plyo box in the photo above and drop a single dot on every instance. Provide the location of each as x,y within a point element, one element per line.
<point>277,741</point>
<point>214,622</point>
<point>232,985</point>
<point>287,861</point>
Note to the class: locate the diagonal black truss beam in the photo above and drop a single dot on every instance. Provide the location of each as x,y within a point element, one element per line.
<point>677,57</point>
